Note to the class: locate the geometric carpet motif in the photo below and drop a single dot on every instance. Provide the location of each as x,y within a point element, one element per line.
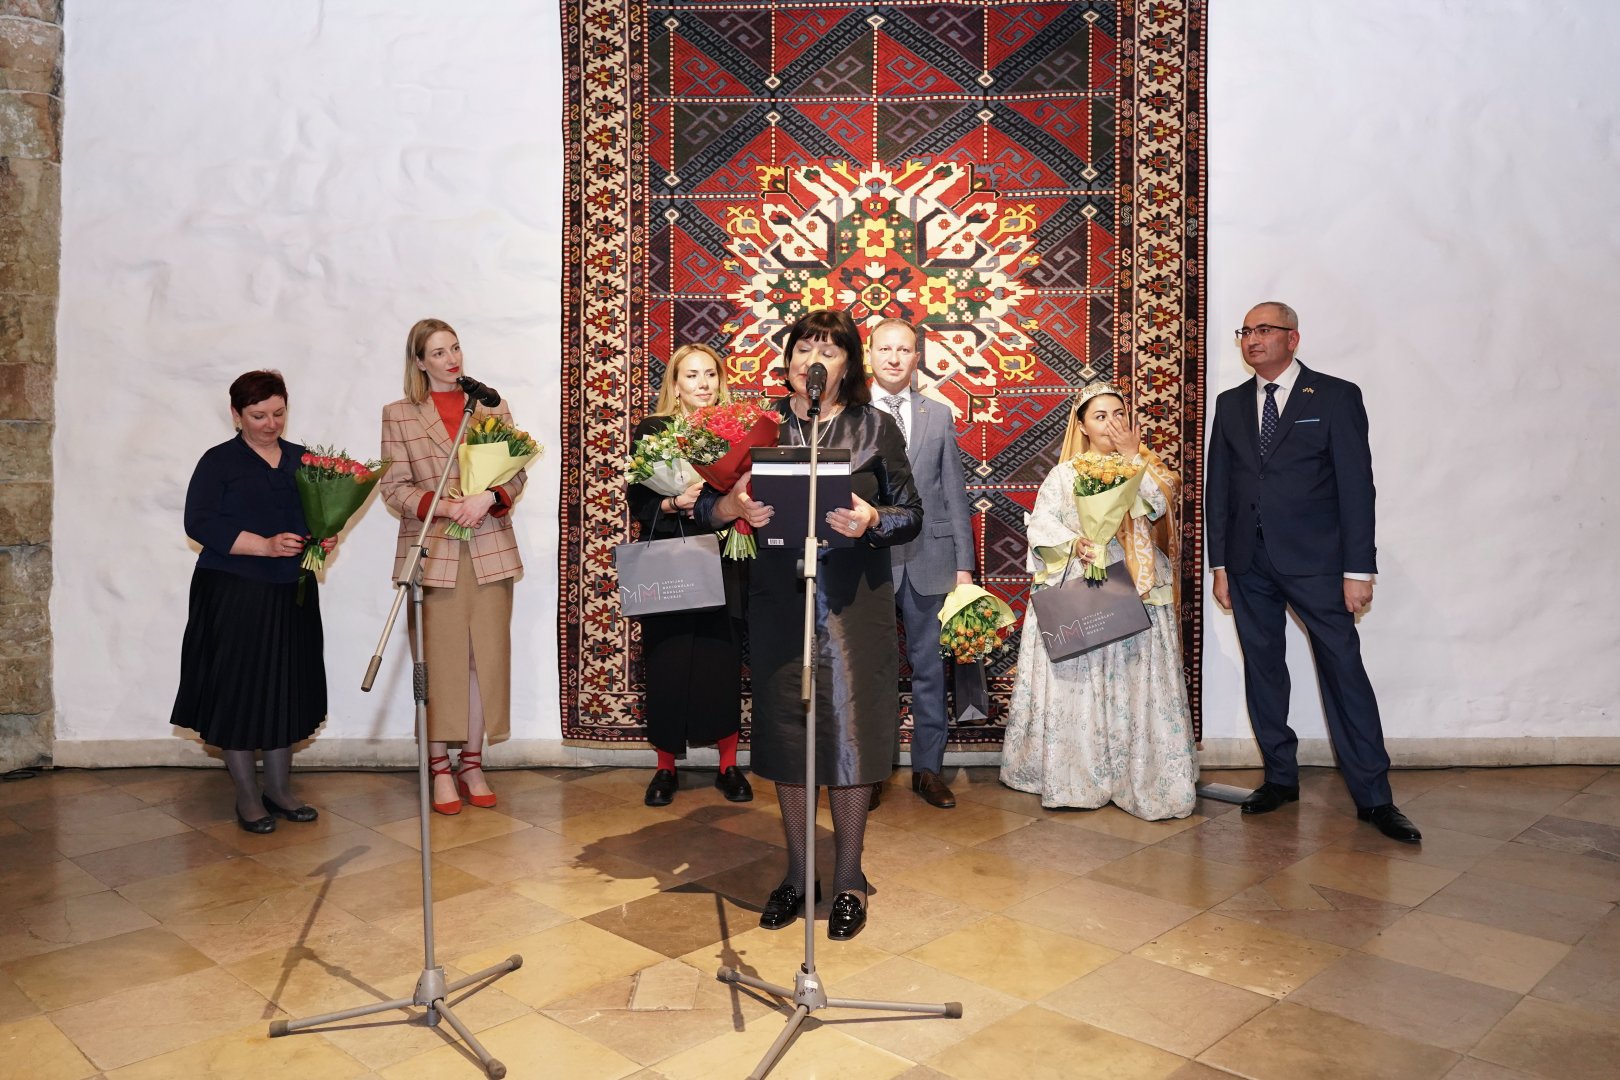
<point>1023,180</point>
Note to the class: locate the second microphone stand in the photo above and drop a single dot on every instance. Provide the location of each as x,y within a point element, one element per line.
<point>432,988</point>
<point>807,992</point>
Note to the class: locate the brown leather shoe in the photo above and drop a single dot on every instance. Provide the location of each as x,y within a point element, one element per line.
<point>931,786</point>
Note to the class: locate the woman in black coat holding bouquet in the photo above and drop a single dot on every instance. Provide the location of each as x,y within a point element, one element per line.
<point>857,647</point>
<point>691,659</point>
<point>252,676</point>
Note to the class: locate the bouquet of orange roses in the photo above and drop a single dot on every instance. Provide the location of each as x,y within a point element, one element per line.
<point>494,452</point>
<point>972,625</point>
<point>1104,491</point>
<point>331,486</point>
<point>719,438</point>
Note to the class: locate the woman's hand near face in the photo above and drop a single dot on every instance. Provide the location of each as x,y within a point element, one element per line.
<point>853,520</point>
<point>1127,439</point>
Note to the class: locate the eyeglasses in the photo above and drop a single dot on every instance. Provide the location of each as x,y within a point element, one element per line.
<point>1263,328</point>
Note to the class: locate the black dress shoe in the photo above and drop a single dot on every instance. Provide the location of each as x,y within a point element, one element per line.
<point>1391,822</point>
<point>262,825</point>
<point>661,792</point>
<point>298,813</point>
<point>734,785</point>
<point>877,797</point>
<point>931,786</point>
<point>847,918</point>
<point>785,904</point>
<point>1268,796</point>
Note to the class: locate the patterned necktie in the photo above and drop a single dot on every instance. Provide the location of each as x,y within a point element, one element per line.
<point>1268,419</point>
<point>894,404</point>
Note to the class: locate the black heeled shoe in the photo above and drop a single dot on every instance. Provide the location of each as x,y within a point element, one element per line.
<point>847,918</point>
<point>734,785</point>
<point>785,904</point>
<point>262,825</point>
<point>299,813</point>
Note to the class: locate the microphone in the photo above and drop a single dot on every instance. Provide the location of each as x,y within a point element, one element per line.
<point>815,385</point>
<point>485,396</point>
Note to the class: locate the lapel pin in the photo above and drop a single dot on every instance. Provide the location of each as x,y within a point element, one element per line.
<point>1307,389</point>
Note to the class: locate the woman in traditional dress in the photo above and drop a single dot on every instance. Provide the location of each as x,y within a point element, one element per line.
<point>857,647</point>
<point>691,659</point>
<point>1112,724</point>
<point>252,674</point>
<point>466,584</point>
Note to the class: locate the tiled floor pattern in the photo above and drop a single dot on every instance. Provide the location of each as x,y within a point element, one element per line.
<point>145,936</point>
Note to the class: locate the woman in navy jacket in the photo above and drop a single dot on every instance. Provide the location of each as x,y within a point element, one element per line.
<point>252,677</point>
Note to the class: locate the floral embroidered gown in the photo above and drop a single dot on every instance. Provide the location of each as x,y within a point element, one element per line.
<point>1110,725</point>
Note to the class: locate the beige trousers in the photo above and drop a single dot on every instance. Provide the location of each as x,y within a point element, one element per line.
<point>469,625</point>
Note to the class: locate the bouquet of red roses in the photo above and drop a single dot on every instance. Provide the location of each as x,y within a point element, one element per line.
<point>720,438</point>
<point>331,486</point>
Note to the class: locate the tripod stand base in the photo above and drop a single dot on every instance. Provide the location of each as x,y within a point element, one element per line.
<point>808,995</point>
<point>431,990</point>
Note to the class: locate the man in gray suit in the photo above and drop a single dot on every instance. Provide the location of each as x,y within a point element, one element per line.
<point>941,557</point>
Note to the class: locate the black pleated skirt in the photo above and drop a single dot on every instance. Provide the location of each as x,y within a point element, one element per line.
<point>252,675</point>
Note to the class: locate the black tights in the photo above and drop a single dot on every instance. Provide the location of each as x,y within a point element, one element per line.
<point>849,809</point>
<point>277,780</point>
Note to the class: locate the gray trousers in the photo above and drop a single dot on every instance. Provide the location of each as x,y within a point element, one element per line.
<point>930,726</point>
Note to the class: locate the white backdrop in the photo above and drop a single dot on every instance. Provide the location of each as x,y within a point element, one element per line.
<point>1433,186</point>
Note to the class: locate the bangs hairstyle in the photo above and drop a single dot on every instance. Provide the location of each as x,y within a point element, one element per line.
<point>669,402</point>
<point>416,381</point>
<point>837,327</point>
<point>257,386</point>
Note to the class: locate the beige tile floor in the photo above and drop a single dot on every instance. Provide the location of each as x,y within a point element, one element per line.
<point>145,936</point>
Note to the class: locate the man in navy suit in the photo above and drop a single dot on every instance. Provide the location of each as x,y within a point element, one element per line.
<point>1288,501</point>
<point>927,568</point>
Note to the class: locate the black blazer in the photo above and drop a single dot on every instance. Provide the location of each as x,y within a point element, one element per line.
<point>1313,493</point>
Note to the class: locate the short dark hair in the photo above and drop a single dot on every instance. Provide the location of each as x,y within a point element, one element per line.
<point>257,386</point>
<point>838,327</point>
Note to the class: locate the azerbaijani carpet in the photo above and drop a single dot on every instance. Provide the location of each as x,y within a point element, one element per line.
<point>1023,180</point>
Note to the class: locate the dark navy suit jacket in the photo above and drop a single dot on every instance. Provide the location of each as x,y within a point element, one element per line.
<point>1313,493</point>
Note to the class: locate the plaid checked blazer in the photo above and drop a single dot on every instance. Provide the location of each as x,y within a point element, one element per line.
<point>414,439</point>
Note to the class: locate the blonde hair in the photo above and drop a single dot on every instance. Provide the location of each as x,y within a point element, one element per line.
<point>669,400</point>
<point>416,381</point>
<point>916,331</point>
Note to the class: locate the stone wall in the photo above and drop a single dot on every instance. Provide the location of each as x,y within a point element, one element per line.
<point>30,247</point>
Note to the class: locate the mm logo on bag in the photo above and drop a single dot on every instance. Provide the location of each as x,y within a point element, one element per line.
<point>651,591</point>
<point>1081,630</point>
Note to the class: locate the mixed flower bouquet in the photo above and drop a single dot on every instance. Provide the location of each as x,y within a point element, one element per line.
<point>658,461</point>
<point>331,486</point>
<point>494,452</point>
<point>971,627</point>
<point>1104,492</point>
<point>971,624</point>
<point>719,438</point>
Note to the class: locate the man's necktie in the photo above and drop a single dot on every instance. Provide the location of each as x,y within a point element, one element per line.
<point>895,404</point>
<point>1268,419</point>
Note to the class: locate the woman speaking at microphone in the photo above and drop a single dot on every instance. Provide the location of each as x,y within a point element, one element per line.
<point>466,584</point>
<point>857,652</point>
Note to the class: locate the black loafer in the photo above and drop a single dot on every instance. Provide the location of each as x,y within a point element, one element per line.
<point>1268,797</point>
<point>932,787</point>
<point>661,792</point>
<point>847,918</point>
<point>734,785</point>
<point>785,904</point>
<point>1391,822</point>
<point>262,825</point>
<point>299,813</point>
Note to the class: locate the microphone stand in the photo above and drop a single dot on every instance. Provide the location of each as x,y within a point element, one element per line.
<point>431,987</point>
<point>807,992</point>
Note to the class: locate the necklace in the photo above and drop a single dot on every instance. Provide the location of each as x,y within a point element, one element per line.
<point>800,427</point>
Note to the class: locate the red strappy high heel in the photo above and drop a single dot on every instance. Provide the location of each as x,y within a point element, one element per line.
<point>472,759</point>
<point>440,766</point>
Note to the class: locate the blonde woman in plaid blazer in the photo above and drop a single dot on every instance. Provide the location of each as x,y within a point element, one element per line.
<point>467,585</point>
